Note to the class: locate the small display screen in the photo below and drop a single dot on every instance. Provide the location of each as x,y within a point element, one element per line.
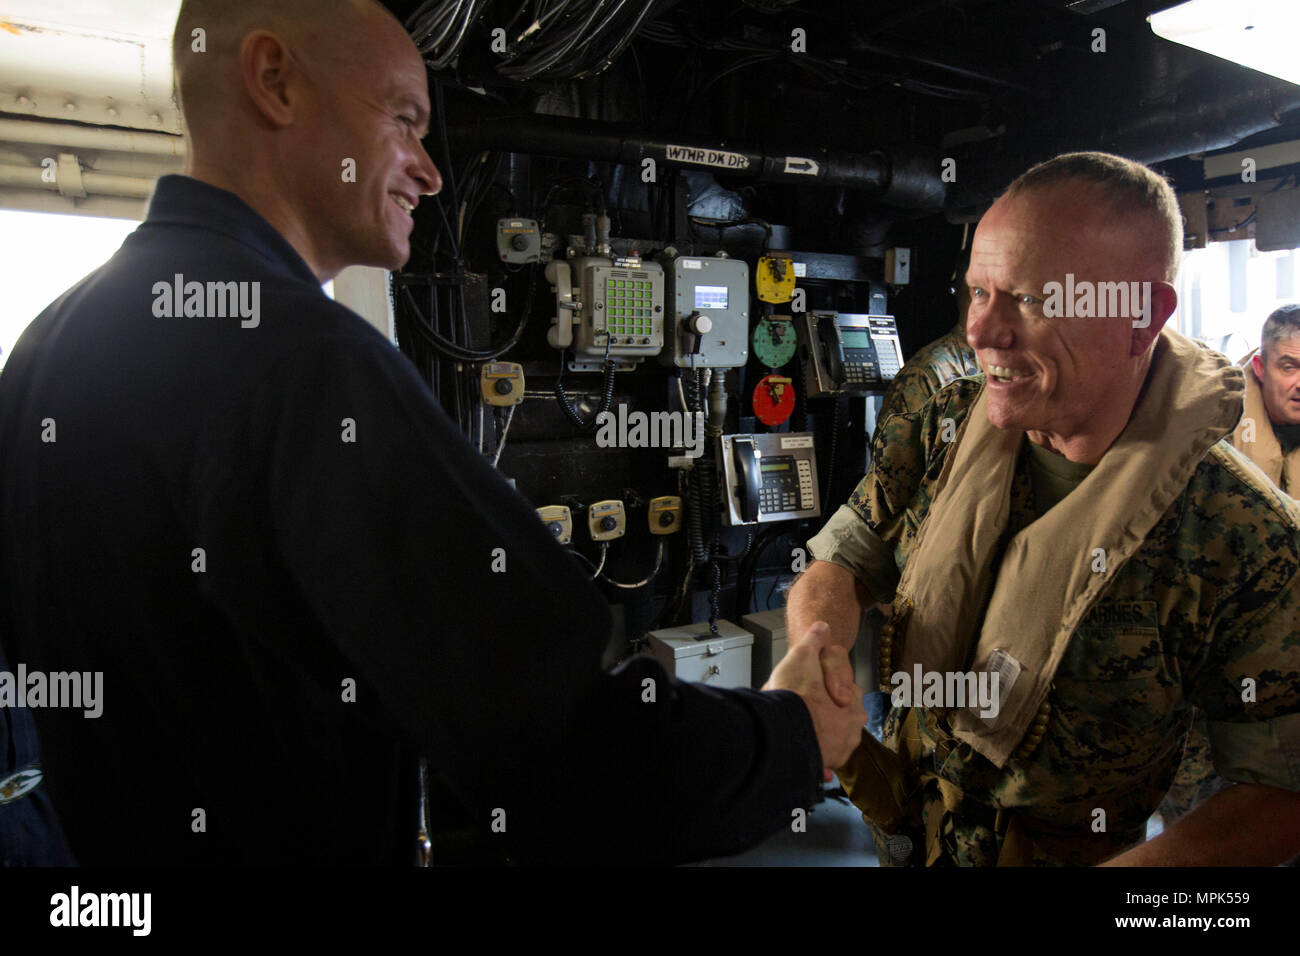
<point>855,338</point>
<point>710,297</point>
<point>785,467</point>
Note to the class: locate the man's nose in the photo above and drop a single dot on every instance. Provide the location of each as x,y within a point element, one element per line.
<point>990,322</point>
<point>426,174</point>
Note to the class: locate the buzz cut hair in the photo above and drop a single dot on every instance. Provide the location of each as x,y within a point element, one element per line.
<point>1131,188</point>
<point>1282,323</point>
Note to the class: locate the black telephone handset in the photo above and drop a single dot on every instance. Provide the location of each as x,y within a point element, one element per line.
<point>830,344</point>
<point>743,450</point>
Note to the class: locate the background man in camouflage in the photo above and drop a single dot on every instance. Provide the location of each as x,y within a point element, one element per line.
<point>935,365</point>
<point>929,369</point>
<point>1269,433</point>
<point>1121,565</point>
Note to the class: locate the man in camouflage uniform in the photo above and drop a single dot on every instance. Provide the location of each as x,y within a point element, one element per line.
<point>1118,567</point>
<point>929,369</point>
<point>935,365</point>
<point>1269,433</point>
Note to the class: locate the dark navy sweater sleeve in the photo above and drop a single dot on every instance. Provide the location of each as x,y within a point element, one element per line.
<point>479,638</point>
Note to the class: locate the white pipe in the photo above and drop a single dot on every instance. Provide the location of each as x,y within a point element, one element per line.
<point>91,137</point>
<point>100,184</point>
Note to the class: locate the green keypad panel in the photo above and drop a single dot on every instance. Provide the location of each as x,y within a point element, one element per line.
<point>629,306</point>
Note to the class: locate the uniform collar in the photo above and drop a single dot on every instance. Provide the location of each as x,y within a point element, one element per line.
<point>183,201</point>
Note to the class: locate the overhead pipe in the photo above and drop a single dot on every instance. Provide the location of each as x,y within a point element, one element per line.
<point>95,184</point>
<point>1212,118</point>
<point>73,136</point>
<point>908,179</point>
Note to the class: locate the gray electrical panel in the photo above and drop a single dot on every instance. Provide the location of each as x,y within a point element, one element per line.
<point>707,324</point>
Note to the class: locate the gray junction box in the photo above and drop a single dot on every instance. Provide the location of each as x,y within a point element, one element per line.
<point>691,653</point>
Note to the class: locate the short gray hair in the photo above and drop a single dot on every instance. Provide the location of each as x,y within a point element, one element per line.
<point>1282,323</point>
<point>1131,187</point>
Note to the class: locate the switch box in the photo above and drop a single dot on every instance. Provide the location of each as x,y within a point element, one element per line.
<point>898,266</point>
<point>665,514</point>
<point>607,520</point>
<point>502,383</point>
<point>519,240</point>
<point>559,522</point>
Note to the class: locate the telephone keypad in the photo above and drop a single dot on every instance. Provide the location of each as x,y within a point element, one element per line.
<point>786,484</point>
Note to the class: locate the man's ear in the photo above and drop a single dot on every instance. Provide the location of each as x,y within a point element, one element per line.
<point>1257,363</point>
<point>1163,302</point>
<point>270,75</point>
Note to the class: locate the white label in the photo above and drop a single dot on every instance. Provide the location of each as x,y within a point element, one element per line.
<point>800,270</point>
<point>691,263</point>
<point>706,157</point>
<point>797,441</point>
<point>801,166</point>
<point>1008,669</point>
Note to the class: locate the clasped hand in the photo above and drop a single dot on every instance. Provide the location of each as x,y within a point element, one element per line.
<point>820,673</point>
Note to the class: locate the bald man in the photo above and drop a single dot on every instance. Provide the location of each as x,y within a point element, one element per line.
<point>1076,557</point>
<point>233,501</point>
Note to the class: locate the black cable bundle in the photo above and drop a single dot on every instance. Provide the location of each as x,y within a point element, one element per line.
<point>606,399</point>
<point>837,425</point>
<point>702,519</point>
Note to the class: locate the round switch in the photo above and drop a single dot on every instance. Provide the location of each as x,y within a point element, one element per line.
<point>666,518</point>
<point>699,324</point>
<point>608,523</point>
<point>503,386</point>
<point>519,243</point>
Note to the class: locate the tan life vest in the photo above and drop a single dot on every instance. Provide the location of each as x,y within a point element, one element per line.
<point>1263,448</point>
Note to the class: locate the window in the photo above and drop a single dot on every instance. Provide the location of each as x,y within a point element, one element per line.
<point>1227,290</point>
<point>43,254</point>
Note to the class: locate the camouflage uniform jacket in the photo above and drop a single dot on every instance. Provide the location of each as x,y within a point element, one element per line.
<point>930,369</point>
<point>1209,600</point>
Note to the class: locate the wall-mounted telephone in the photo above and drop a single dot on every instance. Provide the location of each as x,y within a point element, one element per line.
<point>851,352</point>
<point>769,477</point>
<point>600,302</point>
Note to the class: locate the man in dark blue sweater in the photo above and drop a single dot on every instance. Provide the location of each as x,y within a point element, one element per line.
<point>235,501</point>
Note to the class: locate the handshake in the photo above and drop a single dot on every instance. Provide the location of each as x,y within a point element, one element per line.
<point>819,672</point>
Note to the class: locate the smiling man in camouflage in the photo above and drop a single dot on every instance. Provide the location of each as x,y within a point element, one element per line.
<point>1075,522</point>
